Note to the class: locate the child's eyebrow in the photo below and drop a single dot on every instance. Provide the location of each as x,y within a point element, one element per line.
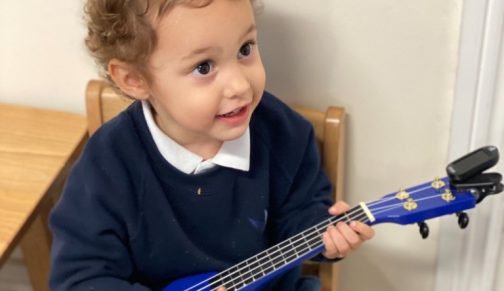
<point>250,29</point>
<point>217,49</point>
<point>201,51</point>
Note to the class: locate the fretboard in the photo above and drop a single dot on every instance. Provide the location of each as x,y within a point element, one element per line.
<point>279,256</point>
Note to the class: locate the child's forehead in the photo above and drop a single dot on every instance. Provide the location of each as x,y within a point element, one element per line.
<point>161,7</point>
<point>164,5</point>
<point>188,16</point>
<point>217,28</point>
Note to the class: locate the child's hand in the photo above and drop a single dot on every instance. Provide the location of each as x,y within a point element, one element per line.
<point>340,240</point>
<point>221,289</point>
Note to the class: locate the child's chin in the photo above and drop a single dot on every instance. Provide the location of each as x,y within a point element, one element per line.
<point>233,134</point>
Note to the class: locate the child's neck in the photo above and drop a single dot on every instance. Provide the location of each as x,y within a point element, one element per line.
<point>206,151</point>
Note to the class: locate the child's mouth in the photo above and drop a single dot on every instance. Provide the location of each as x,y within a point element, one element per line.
<point>235,112</point>
<point>236,117</point>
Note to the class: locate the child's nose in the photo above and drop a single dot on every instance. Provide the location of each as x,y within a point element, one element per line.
<point>236,83</point>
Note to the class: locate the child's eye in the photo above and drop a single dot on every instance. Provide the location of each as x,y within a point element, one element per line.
<point>245,50</point>
<point>203,69</point>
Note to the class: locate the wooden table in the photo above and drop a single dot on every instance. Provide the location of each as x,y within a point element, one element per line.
<point>37,149</point>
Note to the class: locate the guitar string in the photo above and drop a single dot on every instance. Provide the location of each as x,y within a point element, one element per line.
<point>278,253</point>
<point>302,234</point>
<point>313,245</point>
<point>249,275</point>
<point>373,203</point>
<point>342,217</point>
<point>318,243</point>
<point>391,206</point>
<point>393,197</point>
<point>398,205</point>
<point>388,208</point>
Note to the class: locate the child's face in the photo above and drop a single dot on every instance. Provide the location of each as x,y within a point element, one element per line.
<point>207,74</point>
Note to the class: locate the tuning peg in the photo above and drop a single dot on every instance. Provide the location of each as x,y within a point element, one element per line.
<point>463,219</point>
<point>424,229</point>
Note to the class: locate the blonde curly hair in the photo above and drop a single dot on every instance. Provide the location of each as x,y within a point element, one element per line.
<point>122,29</point>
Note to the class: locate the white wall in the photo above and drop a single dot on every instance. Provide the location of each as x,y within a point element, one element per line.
<point>391,63</point>
<point>497,134</point>
<point>469,260</point>
<point>42,58</point>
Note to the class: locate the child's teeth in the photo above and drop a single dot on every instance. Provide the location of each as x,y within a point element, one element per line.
<point>232,112</point>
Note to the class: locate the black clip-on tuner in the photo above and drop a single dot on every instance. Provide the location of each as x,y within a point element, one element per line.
<point>466,173</point>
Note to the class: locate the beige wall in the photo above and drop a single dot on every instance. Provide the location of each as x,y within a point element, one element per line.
<point>499,120</point>
<point>390,63</point>
<point>42,58</point>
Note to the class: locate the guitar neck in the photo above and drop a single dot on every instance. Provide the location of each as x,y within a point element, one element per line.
<point>279,257</point>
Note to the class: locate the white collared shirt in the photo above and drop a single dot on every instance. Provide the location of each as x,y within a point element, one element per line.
<point>232,154</point>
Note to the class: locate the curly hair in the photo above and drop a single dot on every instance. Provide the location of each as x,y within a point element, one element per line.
<point>122,29</point>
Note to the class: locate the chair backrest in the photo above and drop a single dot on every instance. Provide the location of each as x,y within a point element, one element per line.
<point>103,103</point>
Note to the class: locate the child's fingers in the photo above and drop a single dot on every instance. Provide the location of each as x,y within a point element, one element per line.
<point>338,208</point>
<point>221,289</point>
<point>331,250</point>
<point>338,245</point>
<point>342,239</point>
<point>365,231</point>
<point>352,238</point>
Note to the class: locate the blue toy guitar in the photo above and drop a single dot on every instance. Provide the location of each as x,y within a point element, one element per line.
<point>464,187</point>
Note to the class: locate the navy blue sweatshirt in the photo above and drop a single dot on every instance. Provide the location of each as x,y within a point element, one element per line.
<point>129,220</point>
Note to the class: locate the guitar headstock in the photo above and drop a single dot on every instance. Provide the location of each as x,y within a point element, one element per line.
<point>419,203</point>
<point>465,186</point>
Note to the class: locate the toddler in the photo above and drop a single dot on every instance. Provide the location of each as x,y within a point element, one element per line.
<point>204,170</point>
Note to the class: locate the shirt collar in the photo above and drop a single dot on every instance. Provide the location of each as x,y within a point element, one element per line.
<point>232,154</point>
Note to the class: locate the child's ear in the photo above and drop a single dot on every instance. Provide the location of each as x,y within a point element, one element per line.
<point>129,80</point>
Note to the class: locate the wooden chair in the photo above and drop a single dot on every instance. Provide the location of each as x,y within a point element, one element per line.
<point>103,103</point>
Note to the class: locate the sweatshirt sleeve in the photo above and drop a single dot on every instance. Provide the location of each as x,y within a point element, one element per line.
<point>90,232</point>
